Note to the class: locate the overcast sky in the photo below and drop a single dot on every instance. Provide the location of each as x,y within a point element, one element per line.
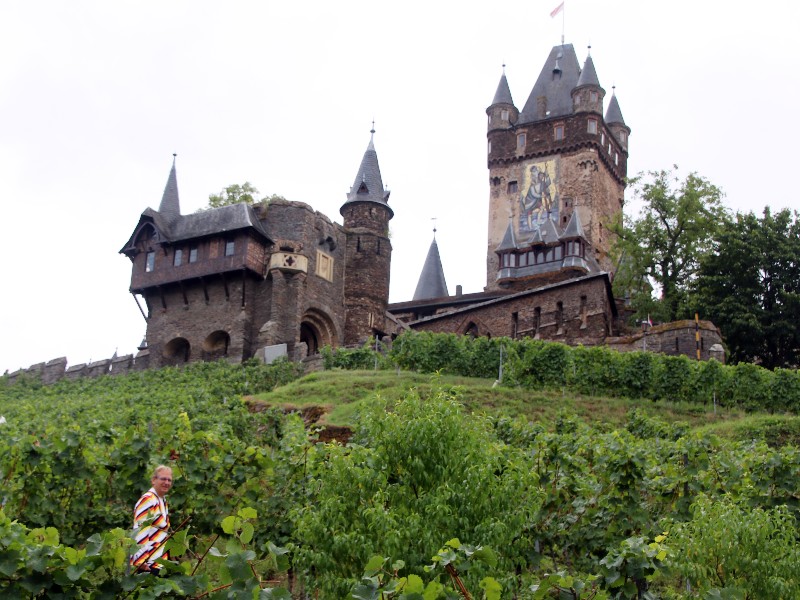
<point>96,96</point>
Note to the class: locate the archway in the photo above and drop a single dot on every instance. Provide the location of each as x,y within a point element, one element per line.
<point>310,337</point>
<point>317,330</point>
<point>216,345</point>
<point>176,351</point>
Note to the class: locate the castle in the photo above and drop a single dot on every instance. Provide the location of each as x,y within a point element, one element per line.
<point>281,279</point>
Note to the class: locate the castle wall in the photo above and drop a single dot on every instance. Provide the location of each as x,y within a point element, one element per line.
<point>575,313</point>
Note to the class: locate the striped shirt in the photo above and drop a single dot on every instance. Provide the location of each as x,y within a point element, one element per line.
<point>150,528</point>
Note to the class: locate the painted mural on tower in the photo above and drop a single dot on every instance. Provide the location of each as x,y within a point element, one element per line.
<point>538,199</point>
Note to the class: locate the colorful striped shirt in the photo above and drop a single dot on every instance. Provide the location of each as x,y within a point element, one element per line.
<point>151,528</point>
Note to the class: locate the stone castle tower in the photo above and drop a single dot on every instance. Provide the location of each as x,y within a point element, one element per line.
<point>557,176</point>
<point>368,255</point>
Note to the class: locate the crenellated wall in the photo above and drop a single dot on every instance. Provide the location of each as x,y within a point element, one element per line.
<point>57,369</point>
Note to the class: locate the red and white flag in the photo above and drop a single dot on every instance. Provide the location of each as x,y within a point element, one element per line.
<point>557,10</point>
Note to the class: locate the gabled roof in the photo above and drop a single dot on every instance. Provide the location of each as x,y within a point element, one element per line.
<point>173,227</point>
<point>368,185</point>
<point>614,114</point>
<point>216,221</point>
<point>509,241</point>
<point>503,93</point>
<point>588,74</point>
<point>554,86</point>
<point>431,281</point>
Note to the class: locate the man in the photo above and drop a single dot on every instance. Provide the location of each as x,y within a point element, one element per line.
<point>151,522</point>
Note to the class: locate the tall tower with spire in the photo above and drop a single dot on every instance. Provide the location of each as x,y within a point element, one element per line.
<point>368,254</point>
<point>556,157</point>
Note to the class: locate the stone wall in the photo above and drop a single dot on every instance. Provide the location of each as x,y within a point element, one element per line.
<point>674,339</point>
<point>57,369</point>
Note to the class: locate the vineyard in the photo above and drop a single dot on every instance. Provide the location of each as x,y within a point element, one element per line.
<point>427,500</point>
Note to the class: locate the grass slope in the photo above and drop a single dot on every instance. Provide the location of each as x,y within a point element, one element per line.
<point>343,393</point>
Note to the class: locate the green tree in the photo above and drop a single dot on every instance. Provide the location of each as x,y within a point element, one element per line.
<point>662,246</point>
<point>235,193</point>
<point>750,287</point>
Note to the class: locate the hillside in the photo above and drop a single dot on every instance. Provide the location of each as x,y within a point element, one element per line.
<point>551,488</point>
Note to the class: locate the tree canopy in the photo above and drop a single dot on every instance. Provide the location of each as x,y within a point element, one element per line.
<point>750,287</point>
<point>236,193</point>
<point>660,248</point>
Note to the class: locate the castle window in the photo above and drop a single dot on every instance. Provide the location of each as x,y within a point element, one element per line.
<point>616,158</point>
<point>522,260</point>
<point>490,119</point>
<point>593,96</point>
<point>558,132</point>
<point>193,254</point>
<point>150,262</point>
<point>504,114</point>
<point>358,244</point>
<point>378,247</point>
<point>591,126</point>
<point>489,151</point>
<point>622,136</point>
<point>602,139</point>
<point>584,320</point>
<point>520,141</point>
<point>230,248</point>
<point>178,259</point>
<point>559,250</point>
<point>512,187</point>
<point>324,266</point>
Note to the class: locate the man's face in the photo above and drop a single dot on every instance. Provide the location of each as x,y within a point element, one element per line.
<point>162,481</point>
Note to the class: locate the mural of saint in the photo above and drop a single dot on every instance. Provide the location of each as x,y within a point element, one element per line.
<point>540,200</point>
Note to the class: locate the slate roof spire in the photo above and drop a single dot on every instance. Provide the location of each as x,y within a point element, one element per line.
<point>588,74</point>
<point>551,95</point>
<point>431,282</point>
<point>614,114</point>
<point>170,207</point>
<point>503,93</point>
<point>368,184</point>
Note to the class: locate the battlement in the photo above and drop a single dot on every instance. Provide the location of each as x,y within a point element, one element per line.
<point>54,370</point>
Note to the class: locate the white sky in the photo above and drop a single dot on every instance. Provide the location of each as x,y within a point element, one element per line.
<point>96,96</point>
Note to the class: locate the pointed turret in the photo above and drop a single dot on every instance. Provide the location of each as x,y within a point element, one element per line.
<point>509,240</point>
<point>587,96</point>
<point>368,254</point>
<point>368,185</point>
<point>615,121</point>
<point>574,228</point>
<point>170,207</point>
<point>502,112</point>
<point>431,282</point>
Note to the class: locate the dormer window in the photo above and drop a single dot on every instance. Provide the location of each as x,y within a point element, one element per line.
<point>230,248</point>
<point>193,254</point>
<point>591,126</point>
<point>149,262</point>
<point>520,141</point>
<point>558,132</point>
<point>178,258</point>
